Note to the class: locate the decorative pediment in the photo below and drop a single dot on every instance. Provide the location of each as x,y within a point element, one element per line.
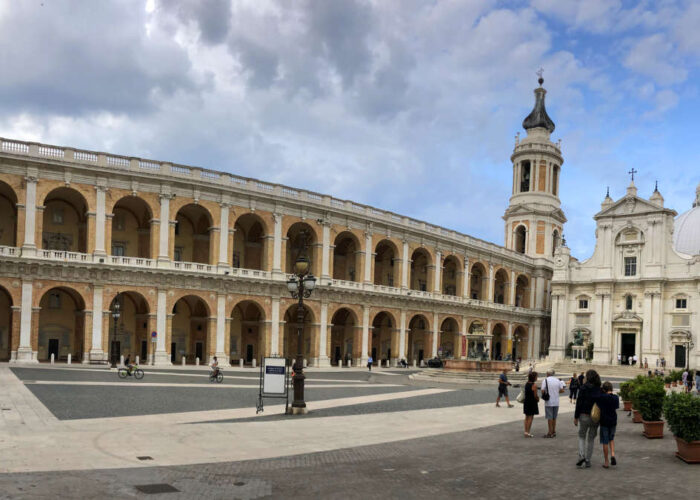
<point>627,317</point>
<point>630,205</point>
<point>680,336</point>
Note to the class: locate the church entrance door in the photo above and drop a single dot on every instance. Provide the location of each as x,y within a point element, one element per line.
<point>627,345</point>
<point>680,356</point>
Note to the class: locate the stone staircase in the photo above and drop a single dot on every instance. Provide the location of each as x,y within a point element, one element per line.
<point>566,368</point>
<point>452,377</point>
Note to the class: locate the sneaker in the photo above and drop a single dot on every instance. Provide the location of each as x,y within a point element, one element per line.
<point>580,462</point>
<point>613,461</point>
<point>588,464</point>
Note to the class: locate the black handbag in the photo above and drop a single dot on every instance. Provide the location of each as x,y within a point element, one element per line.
<point>545,395</point>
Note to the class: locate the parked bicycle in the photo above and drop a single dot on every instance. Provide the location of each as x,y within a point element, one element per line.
<point>216,375</point>
<point>134,371</point>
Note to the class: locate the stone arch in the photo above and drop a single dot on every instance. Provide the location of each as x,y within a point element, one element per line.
<point>422,270</point>
<point>347,257</point>
<point>131,227</point>
<point>522,291</point>
<point>247,337</point>
<point>64,223</point>
<point>6,324</point>
<point>449,338</point>
<point>61,326</point>
<point>499,341</point>
<point>346,336</point>
<point>189,330</point>
<point>418,344</point>
<point>521,343</point>
<point>297,233</point>
<point>129,335</point>
<point>520,239</point>
<point>478,281</point>
<point>291,335</point>
<point>8,221</point>
<point>386,257</point>
<point>192,241</point>
<point>384,338</point>
<point>451,276</point>
<point>250,242</point>
<point>500,286</point>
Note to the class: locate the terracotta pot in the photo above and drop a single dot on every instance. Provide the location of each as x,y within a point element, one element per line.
<point>627,406</point>
<point>674,384</point>
<point>668,386</point>
<point>636,417</point>
<point>653,429</point>
<point>688,452</point>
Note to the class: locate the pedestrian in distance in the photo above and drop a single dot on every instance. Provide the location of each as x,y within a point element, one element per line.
<point>608,404</point>
<point>646,364</point>
<point>503,389</point>
<point>369,363</point>
<point>697,382</point>
<point>587,429</point>
<point>551,387</point>
<point>619,359</point>
<point>573,388</point>
<point>530,405</point>
<point>581,378</point>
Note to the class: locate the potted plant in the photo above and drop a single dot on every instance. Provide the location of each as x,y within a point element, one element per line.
<point>682,413</point>
<point>667,381</point>
<point>636,382</point>
<point>650,400</point>
<point>626,389</point>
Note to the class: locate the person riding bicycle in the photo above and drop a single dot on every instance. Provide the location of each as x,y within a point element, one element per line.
<point>129,366</point>
<point>215,367</point>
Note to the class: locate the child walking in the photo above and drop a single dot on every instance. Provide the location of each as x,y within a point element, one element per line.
<point>608,404</point>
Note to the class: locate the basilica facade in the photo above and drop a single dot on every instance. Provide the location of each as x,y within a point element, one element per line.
<point>103,255</point>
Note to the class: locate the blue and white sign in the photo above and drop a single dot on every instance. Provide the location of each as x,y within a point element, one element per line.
<point>274,375</point>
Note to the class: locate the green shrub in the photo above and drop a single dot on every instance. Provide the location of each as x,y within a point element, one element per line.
<point>626,389</point>
<point>682,413</point>
<point>668,379</point>
<point>589,351</point>
<point>649,398</point>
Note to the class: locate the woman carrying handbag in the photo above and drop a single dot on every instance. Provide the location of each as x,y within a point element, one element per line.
<point>530,408</point>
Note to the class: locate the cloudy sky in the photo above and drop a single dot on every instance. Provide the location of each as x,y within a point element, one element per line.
<point>406,105</point>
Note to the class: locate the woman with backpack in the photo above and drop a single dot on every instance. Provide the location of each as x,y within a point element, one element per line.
<point>587,427</point>
<point>573,388</point>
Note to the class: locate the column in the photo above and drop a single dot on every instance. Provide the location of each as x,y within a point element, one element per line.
<point>25,353</point>
<point>436,332</point>
<point>220,351</point>
<point>223,240</point>
<point>365,334</point>
<point>277,252</point>
<point>29,246</point>
<point>491,284</point>
<point>509,340</point>
<point>368,258</point>
<point>402,335</point>
<point>657,320</point>
<point>154,238</point>
<point>438,272</point>
<point>325,249</point>
<point>556,351</point>
<point>14,333</point>
<point>275,332</point>
<point>606,337</point>
<point>163,242</point>
<point>540,293</point>
<point>406,266</point>
<point>536,339</point>
<point>467,279</point>
<point>97,351</point>
<point>646,324</point>
<point>162,357</point>
<point>100,221</point>
<point>323,359</point>
<point>512,288</point>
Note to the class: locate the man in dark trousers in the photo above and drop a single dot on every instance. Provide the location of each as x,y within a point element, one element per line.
<point>503,389</point>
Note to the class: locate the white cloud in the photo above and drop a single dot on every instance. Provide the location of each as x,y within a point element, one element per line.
<point>654,56</point>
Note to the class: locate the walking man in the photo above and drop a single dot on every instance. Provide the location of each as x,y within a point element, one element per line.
<point>551,388</point>
<point>369,362</point>
<point>503,389</point>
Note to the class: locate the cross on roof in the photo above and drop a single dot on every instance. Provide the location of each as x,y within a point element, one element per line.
<point>632,172</point>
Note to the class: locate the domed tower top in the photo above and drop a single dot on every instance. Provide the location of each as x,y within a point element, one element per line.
<point>538,117</point>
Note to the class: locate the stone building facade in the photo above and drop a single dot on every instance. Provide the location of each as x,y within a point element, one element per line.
<point>197,261</point>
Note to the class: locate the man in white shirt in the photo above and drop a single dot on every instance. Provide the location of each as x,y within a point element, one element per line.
<point>552,387</point>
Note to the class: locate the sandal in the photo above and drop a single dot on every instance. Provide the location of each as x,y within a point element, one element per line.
<point>606,466</point>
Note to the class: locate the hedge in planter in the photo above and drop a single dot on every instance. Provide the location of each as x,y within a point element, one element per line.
<point>649,396</point>
<point>682,413</point>
<point>626,389</point>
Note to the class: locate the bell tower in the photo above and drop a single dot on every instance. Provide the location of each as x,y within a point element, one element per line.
<point>534,220</point>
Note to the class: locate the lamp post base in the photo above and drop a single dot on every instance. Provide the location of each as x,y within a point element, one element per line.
<point>293,410</point>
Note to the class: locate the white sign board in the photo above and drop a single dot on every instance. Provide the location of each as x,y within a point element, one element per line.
<point>274,375</point>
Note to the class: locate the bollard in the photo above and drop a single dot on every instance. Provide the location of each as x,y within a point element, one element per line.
<point>340,363</point>
<point>121,360</point>
<point>182,359</point>
<point>388,364</point>
<point>196,361</point>
<point>137,360</point>
<point>51,358</point>
<point>305,363</point>
<point>69,358</point>
<point>254,363</point>
<point>414,363</point>
<point>240,363</point>
<point>349,363</point>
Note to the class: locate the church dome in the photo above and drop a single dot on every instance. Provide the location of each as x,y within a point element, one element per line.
<point>538,117</point>
<point>686,229</point>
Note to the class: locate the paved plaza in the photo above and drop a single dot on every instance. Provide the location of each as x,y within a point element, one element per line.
<point>78,432</point>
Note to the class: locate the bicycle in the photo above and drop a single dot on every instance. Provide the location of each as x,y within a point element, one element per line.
<point>136,372</point>
<point>219,376</point>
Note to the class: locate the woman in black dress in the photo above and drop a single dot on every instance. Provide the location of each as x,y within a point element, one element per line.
<point>530,408</point>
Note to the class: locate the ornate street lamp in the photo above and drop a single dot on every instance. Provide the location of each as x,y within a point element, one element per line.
<point>116,313</point>
<point>300,285</point>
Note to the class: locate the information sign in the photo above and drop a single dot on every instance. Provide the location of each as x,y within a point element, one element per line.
<point>154,336</point>
<point>274,376</point>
